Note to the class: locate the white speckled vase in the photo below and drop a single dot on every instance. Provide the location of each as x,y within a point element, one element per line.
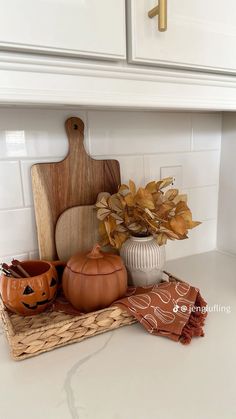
<point>144,260</point>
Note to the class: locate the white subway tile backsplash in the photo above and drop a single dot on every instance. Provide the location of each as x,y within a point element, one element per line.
<point>8,259</point>
<point>10,185</point>
<point>201,239</point>
<point>131,167</point>
<point>199,168</point>
<point>227,187</point>
<point>34,255</point>
<point>206,131</point>
<point>26,177</point>
<point>138,132</point>
<point>27,133</point>
<point>203,202</point>
<point>142,142</point>
<point>18,231</point>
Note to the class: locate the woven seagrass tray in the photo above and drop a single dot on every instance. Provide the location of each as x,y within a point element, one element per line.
<point>33,335</point>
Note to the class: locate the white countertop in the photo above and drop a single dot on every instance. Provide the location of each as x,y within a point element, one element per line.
<point>130,374</point>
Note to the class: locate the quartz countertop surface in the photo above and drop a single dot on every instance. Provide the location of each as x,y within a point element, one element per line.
<point>130,374</point>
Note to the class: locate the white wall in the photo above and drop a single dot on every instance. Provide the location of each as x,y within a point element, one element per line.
<point>226,238</point>
<point>143,142</point>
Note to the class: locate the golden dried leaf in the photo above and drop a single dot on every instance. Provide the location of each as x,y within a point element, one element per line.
<point>123,190</point>
<point>178,225</point>
<point>102,203</point>
<point>143,193</point>
<point>103,234</point>
<point>146,203</point>
<point>103,213</point>
<point>115,203</point>
<point>183,237</point>
<point>151,187</point>
<point>132,187</point>
<point>119,239</point>
<point>103,195</point>
<point>170,234</point>
<point>163,183</point>
<point>146,211</point>
<point>192,224</point>
<point>161,239</point>
<point>135,227</point>
<point>171,194</point>
<point>187,216</point>
<point>122,200</point>
<point>151,215</point>
<point>154,225</point>
<point>129,199</point>
<point>102,229</point>
<point>121,229</point>
<point>181,207</point>
<point>123,187</point>
<point>158,198</point>
<point>118,219</point>
<point>182,197</point>
<point>144,199</point>
<point>109,229</point>
<point>164,209</point>
<point>127,219</point>
<point>112,223</point>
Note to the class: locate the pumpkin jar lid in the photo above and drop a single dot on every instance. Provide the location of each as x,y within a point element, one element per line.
<point>95,262</point>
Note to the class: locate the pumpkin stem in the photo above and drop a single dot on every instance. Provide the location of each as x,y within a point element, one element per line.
<point>96,252</point>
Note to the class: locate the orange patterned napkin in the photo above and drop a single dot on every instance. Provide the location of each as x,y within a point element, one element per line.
<point>172,309</point>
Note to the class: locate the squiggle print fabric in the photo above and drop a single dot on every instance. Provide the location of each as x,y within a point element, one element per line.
<point>172,309</point>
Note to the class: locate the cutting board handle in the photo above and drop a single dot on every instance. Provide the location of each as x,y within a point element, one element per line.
<point>75,132</point>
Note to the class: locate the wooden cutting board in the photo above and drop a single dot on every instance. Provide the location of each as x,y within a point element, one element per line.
<point>76,231</point>
<point>74,181</point>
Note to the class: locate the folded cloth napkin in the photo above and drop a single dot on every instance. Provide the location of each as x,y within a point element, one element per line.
<point>172,309</point>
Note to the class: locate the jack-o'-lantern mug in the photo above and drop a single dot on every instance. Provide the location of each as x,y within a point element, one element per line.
<point>33,295</point>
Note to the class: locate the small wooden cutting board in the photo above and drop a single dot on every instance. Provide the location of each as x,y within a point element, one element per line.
<point>74,181</point>
<point>76,231</point>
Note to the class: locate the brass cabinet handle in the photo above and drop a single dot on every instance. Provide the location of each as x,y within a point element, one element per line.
<point>161,11</point>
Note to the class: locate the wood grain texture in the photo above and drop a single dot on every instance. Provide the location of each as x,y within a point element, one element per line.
<point>74,181</point>
<point>76,231</point>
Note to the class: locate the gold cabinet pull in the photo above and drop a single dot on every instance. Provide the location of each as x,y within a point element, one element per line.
<point>161,11</point>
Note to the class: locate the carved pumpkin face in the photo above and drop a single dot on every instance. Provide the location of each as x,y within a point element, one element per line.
<point>29,296</point>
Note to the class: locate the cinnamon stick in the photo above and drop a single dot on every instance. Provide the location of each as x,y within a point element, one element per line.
<point>12,272</point>
<point>17,264</point>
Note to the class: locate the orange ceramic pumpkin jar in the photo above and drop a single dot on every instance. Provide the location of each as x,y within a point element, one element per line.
<point>93,281</point>
<point>29,296</point>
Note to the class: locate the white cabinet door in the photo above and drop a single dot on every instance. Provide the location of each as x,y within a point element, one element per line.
<point>90,28</point>
<point>201,34</point>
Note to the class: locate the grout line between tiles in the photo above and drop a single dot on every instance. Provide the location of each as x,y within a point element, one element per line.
<point>201,186</point>
<point>45,159</point>
<point>191,146</point>
<point>55,159</point>
<point>144,170</point>
<point>219,188</point>
<point>16,254</point>
<point>111,156</point>
<point>15,209</point>
<point>22,183</point>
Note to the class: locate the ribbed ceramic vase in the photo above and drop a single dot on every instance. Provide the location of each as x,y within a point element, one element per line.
<point>144,260</point>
